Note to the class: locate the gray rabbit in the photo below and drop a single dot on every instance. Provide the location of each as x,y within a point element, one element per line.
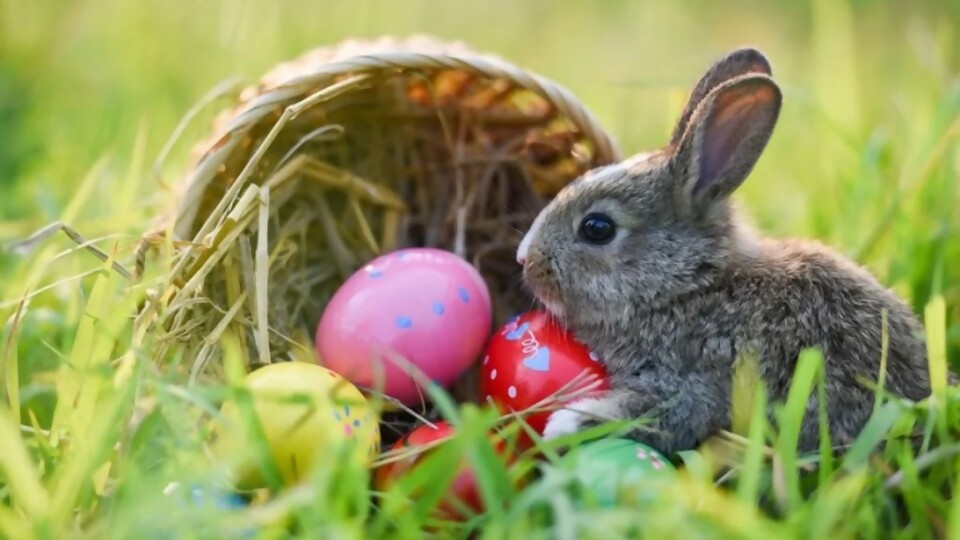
<point>649,264</point>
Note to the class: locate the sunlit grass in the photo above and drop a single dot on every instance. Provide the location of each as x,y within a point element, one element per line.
<point>92,433</point>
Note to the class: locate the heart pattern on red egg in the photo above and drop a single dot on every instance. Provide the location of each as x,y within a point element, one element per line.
<point>530,360</point>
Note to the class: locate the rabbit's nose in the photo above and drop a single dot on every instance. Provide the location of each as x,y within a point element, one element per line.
<point>522,251</point>
<point>523,248</point>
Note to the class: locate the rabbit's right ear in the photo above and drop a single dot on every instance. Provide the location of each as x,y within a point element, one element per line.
<point>735,64</point>
<point>724,139</point>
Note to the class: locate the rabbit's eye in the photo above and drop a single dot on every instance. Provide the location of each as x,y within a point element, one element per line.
<point>597,229</point>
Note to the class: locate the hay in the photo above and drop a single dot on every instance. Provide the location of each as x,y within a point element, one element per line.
<point>343,154</point>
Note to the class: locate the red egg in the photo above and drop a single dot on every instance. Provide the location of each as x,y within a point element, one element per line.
<point>532,359</point>
<point>464,486</point>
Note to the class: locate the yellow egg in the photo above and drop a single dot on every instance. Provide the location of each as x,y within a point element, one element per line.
<point>308,414</point>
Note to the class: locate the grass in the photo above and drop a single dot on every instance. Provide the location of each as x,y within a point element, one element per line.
<point>91,432</point>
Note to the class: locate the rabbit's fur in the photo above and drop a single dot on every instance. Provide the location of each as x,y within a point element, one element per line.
<point>685,287</point>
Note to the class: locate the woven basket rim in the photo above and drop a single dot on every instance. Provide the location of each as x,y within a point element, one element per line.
<point>295,88</point>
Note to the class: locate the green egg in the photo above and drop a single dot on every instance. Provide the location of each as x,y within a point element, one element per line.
<point>616,471</point>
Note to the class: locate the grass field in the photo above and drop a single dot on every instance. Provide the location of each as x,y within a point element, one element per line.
<point>865,157</point>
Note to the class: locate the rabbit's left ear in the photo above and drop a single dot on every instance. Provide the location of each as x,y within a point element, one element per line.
<point>736,63</point>
<point>725,137</point>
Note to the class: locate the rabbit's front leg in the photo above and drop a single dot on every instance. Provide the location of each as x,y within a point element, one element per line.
<point>677,412</point>
<point>585,413</point>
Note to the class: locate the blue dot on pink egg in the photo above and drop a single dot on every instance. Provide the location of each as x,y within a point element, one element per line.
<point>438,308</point>
<point>374,272</point>
<point>463,294</point>
<point>403,322</point>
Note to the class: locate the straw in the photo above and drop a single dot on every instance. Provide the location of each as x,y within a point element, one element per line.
<point>340,155</point>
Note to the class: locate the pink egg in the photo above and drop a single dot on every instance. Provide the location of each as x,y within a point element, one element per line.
<point>422,307</point>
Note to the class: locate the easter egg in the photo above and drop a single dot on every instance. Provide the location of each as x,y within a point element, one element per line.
<point>532,359</point>
<point>205,496</point>
<point>191,513</point>
<point>463,489</point>
<point>414,309</point>
<point>610,470</point>
<point>307,414</point>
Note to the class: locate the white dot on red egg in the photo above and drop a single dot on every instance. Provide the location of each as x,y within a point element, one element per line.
<point>486,359</point>
<point>593,356</point>
<point>512,391</point>
<point>493,375</point>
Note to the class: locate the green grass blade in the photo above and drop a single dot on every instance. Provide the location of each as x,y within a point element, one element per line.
<point>488,468</point>
<point>831,510</point>
<point>748,488</point>
<point>953,518</point>
<point>12,525</point>
<point>746,382</point>
<point>915,497</point>
<point>825,465</point>
<point>250,426</point>
<point>935,321</point>
<point>792,415</point>
<point>19,470</point>
<point>10,364</point>
<point>105,318</point>
<point>89,452</point>
<point>872,434</point>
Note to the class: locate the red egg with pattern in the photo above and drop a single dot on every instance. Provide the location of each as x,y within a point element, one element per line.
<point>463,493</point>
<point>534,362</point>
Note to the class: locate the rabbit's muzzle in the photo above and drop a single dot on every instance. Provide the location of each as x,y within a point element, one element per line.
<point>540,276</point>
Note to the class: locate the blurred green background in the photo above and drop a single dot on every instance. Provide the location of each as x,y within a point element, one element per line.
<point>865,156</point>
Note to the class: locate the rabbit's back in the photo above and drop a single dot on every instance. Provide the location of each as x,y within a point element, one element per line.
<point>816,298</point>
<point>834,305</point>
<point>783,298</point>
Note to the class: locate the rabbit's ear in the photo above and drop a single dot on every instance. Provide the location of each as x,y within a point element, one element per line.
<point>725,137</point>
<point>735,64</point>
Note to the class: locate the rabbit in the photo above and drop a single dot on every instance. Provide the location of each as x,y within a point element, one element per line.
<point>649,264</point>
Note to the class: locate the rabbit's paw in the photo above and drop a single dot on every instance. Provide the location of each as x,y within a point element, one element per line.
<point>577,416</point>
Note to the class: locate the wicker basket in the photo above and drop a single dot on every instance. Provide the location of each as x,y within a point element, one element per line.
<point>347,152</point>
